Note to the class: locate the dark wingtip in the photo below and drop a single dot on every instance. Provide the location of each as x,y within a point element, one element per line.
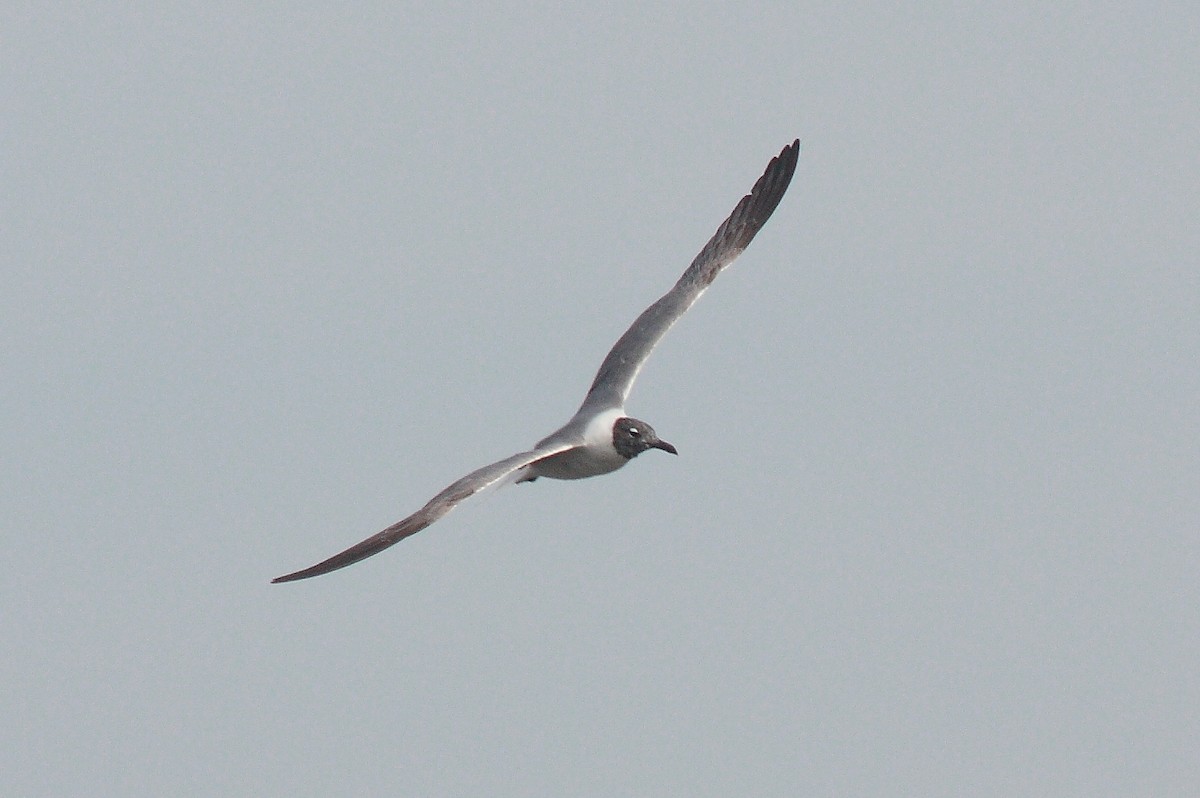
<point>291,577</point>
<point>757,206</point>
<point>332,564</point>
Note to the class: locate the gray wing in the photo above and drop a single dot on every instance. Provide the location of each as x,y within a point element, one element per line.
<point>620,368</point>
<point>438,506</point>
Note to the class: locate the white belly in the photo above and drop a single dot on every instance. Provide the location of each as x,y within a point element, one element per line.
<point>580,463</point>
<point>597,456</point>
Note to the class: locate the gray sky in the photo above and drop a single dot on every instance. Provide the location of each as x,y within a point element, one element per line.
<point>271,279</point>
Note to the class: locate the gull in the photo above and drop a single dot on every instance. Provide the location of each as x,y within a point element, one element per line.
<point>600,438</point>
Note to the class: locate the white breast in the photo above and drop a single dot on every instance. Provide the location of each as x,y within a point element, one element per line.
<point>599,431</point>
<point>597,455</point>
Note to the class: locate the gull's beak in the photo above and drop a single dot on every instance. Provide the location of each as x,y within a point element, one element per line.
<point>666,447</point>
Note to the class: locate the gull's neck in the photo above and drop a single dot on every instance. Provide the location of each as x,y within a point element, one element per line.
<point>599,431</point>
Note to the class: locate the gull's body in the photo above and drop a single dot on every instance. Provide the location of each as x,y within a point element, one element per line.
<point>600,438</point>
<point>597,455</point>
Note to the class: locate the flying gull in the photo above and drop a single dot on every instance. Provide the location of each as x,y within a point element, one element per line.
<point>600,438</point>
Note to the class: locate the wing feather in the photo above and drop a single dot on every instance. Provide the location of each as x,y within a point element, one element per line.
<point>620,368</point>
<point>434,509</point>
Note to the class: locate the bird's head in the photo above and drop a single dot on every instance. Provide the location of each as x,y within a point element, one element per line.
<point>632,437</point>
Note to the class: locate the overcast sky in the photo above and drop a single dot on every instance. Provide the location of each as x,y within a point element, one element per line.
<point>271,278</point>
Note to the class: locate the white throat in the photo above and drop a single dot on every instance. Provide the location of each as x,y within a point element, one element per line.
<point>599,432</point>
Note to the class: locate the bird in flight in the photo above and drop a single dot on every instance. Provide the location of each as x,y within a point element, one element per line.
<point>600,438</point>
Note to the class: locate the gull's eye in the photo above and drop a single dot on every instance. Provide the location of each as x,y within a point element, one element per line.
<point>634,432</point>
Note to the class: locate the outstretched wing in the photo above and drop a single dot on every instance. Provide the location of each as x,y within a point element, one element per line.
<point>438,506</point>
<point>620,368</point>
